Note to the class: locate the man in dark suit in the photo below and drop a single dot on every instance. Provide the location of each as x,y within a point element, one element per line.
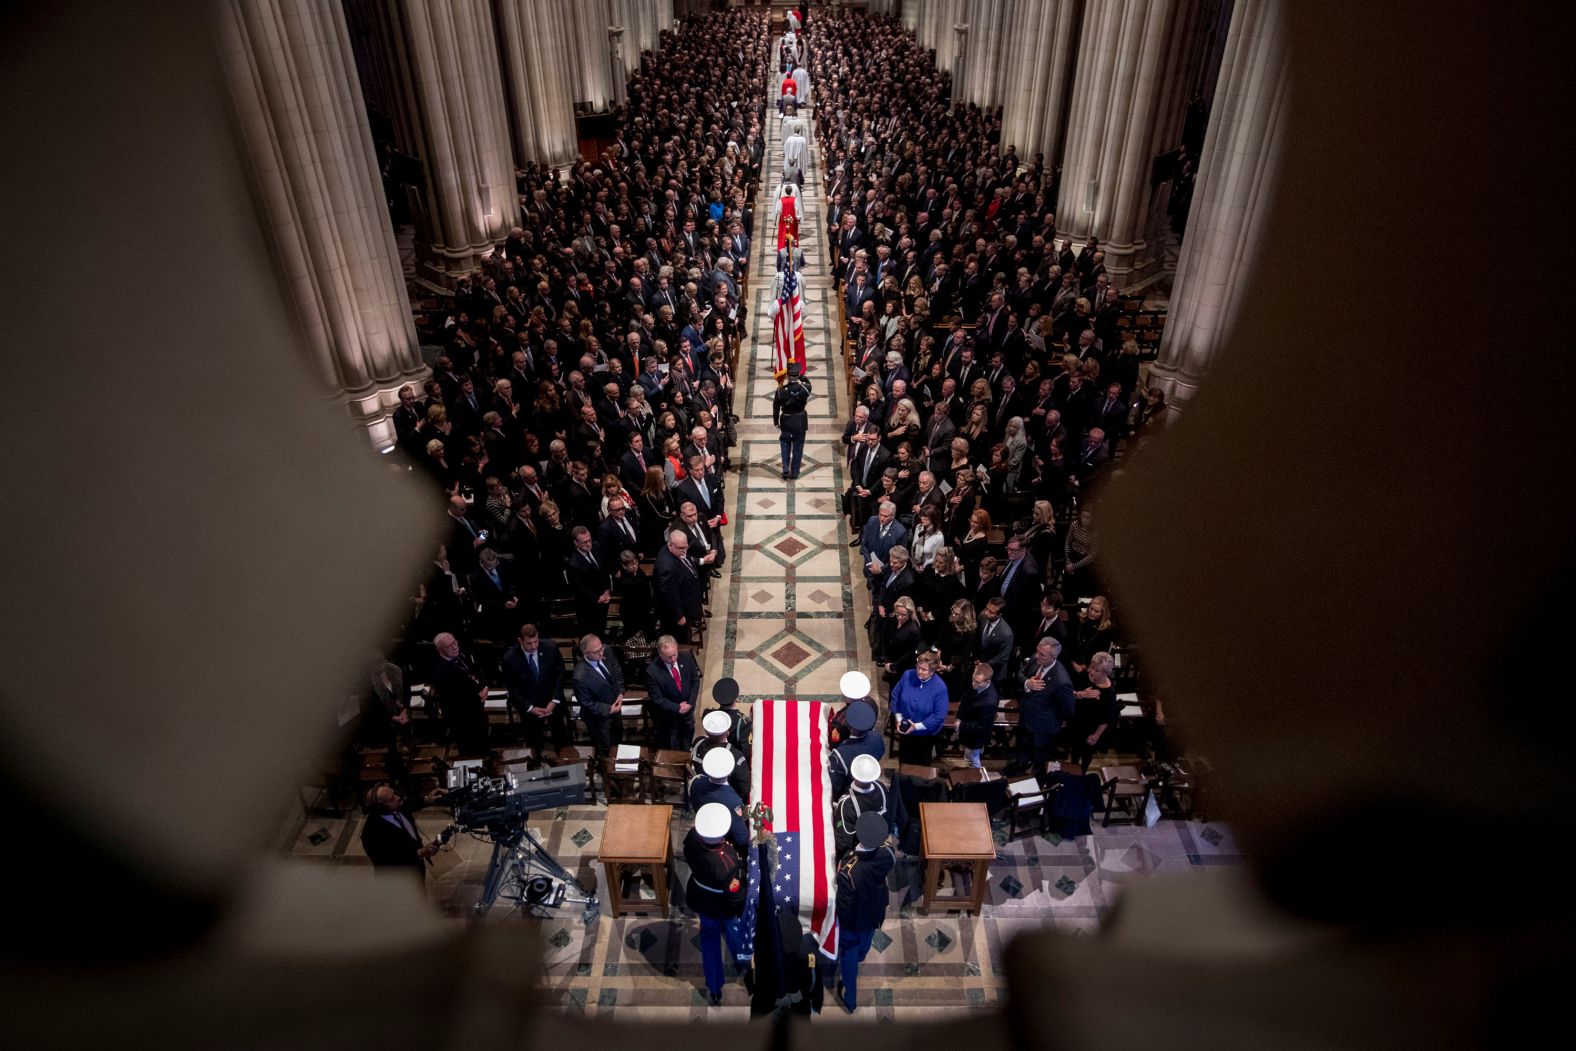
<point>1048,702</point>
<point>673,685</point>
<point>700,490</point>
<point>466,538</point>
<point>461,696</point>
<point>1020,587</point>
<point>590,581</point>
<point>880,535</point>
<point>632,465</point>
<point>576,497</point>
<point>864,473</point>
<point>616,534</point>
<point>938,432</point>
<point>407,418</point>
<point>599,687</point>
<point>467,408</point>
<point>1109,414</point>
<point>1091,456</point>
<point>389,835</point>
<point>705,543</point>
<point>534,676</point>
<point>1050,619</point>
<point>897,582</point>
<point>678,587</point>
<point>995,640</point>
<point>493,587</point>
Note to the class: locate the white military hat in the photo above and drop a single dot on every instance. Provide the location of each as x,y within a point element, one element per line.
<point>717,763</point>
<point>716,722</point>
<point>865,769</point>
<point>713,820</point>
<point>854,685</point>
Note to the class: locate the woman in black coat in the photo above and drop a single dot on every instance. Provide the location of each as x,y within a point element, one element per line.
<point>1091,633</point>
<point>1094,719</point>
<point>655,504</point>
<point>897,641</point>
<point>936,590</point>
<point>958,643</point>
<point>636,601</point>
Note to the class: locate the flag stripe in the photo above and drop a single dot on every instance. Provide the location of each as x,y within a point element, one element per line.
<point>795,766</point>
<point>818,850</point>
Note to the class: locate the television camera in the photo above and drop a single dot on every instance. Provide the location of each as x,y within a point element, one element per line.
<point>520,871</point>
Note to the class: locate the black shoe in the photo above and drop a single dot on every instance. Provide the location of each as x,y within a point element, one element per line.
<point>853,543</point>
<point>842,998</point>
<point>715,999</point>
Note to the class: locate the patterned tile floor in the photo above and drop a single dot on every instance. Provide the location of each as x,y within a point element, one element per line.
<point>789,617</point>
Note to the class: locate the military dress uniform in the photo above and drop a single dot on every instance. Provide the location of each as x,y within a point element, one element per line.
<point>740,778</point>
<point>872,798</point>
<point>790,403</point>
<point>862,901</point>
<point>852,738</point>
<point>739,733</point>
<point>717,888</point>
<point>703,790</point>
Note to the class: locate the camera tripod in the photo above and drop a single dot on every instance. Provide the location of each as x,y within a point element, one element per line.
<point>522,872</point>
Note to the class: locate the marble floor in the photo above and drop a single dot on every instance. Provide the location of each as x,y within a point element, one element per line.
<point>789,619</point>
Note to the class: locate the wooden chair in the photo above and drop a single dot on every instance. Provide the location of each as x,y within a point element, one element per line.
<point>668,775</point>
<point>1026,809</point>
<point>573,756</point>
<point>623,786</point>
<point>1126,789</point>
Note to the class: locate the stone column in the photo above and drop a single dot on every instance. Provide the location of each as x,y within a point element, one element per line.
<point>960,48</point>
<point>534,38</point>
<point>1236,178</point>
<point>1129,98</point>
<point>591,69</point>
<point>616,37</point>
<point>626,13</point>
<point>443,56</point>
<point>985,59</point>
<point>947,13</point>
<point>1042,51</point>
<point>303,120</point>
<point>911,15</point>
<point>929,21</point>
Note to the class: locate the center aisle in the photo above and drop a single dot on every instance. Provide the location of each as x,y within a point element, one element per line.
<point>789,622</point>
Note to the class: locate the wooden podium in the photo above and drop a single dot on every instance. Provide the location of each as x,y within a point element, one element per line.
<point>956,832</point>
<point>636,835</point>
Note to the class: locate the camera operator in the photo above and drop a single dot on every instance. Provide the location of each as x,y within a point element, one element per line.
<point>389,835</point>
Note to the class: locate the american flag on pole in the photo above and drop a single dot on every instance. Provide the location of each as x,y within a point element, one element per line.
<point>790,776</point>
<point>788,322</point>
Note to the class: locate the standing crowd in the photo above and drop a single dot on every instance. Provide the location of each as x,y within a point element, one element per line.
<point>577,425</point>
<point>992,392</point>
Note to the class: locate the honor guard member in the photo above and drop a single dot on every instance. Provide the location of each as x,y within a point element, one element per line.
<point>789,405</point>
<point>862,901</point>
<point>866,796</point>
<point>855,687</point>
<point>717,888</point>
<point>851,731</point>
<point>718,728</point>
<point>711,786</point>
<point>725,692</point>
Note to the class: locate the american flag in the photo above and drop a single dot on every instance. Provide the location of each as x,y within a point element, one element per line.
<point>790,777</point>
<point>788,322</point>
